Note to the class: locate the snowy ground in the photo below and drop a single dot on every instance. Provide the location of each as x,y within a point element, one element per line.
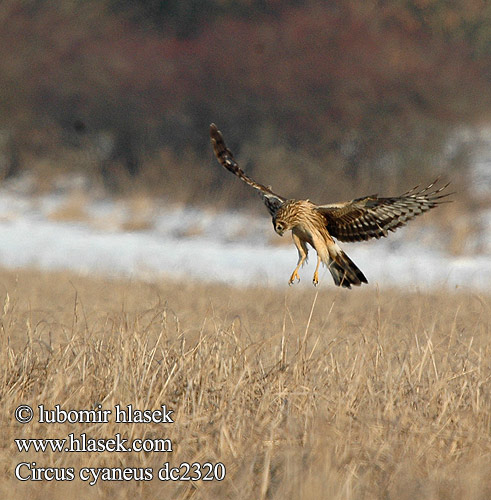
<point>153,242</point>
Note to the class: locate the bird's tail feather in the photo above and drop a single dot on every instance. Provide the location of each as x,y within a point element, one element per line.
<point>344,271</point>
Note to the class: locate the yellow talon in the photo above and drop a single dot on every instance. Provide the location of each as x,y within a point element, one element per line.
<point>293,277</point>
<point>315,281</point>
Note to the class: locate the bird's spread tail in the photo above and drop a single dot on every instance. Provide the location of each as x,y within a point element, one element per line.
<point>344,271</point>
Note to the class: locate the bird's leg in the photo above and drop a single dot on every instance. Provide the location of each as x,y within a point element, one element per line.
<point>295,275</point>
<point>315,281</point>
<point>302,256</point>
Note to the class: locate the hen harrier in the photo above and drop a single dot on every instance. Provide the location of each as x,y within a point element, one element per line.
<point>318,225</point>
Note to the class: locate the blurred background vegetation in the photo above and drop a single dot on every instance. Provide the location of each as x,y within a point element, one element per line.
<point>313,97</point>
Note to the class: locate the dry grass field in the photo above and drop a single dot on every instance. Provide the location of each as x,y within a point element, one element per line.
<point>301,393</point>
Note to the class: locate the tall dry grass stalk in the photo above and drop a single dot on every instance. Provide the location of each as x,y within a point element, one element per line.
<point>301,394</point>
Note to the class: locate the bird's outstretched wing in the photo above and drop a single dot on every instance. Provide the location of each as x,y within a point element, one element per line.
<point>373,217</point>
<point>226,159</point>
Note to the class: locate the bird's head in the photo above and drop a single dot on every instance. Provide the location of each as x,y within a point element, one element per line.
<point>280,226</point>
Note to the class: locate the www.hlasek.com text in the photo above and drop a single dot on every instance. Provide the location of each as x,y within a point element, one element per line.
<point>86,444</point>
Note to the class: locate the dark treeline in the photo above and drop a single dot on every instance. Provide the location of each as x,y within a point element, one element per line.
<point>355,87</point>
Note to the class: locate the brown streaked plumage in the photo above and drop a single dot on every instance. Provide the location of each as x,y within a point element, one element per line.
<point>318,225</point>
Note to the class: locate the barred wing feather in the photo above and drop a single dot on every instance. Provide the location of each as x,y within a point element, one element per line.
<point>227,160</point>
<point>373,217</point>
